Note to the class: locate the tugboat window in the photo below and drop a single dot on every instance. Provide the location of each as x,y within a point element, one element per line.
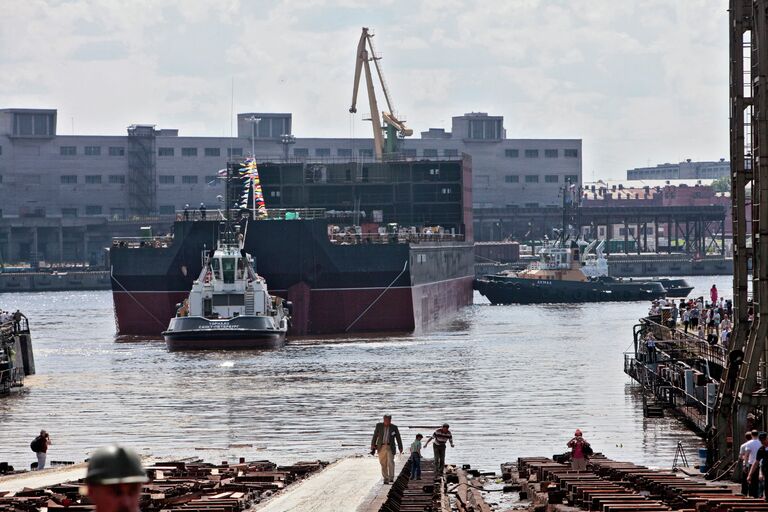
<point>228,266</point>
<point>215,264</point>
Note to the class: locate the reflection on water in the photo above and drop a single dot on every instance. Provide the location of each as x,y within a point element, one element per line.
<point>512,381</point>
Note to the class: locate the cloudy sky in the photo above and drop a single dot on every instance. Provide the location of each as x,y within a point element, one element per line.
<point>640,81</point>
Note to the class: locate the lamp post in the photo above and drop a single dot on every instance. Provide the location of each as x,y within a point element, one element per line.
<point>286,140</point>
<point>254,129</point>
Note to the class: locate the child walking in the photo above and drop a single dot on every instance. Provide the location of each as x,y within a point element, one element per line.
<point>416,458</point>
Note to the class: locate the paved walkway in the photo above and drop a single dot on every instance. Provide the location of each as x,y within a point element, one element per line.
<point>44,478</point>
<point>352,485</point>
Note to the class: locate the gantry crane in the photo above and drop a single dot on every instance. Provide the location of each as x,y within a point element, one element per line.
<point>393,126</point>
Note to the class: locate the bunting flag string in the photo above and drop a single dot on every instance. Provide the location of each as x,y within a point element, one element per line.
<point>252,185</point>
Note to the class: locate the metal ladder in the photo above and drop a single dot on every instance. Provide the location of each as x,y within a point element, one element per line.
<point>250,303</point>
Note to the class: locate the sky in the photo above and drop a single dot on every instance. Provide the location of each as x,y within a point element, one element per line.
<point>641,82</point>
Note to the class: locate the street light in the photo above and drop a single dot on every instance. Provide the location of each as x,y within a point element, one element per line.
<point>254,128</point>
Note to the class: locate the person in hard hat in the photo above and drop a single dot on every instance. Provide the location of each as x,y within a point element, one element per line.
<point>202,211</point>
<point>186,211</point>
<point>114,479</point>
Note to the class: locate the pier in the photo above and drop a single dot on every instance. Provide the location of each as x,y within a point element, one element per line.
<point>17,359</point>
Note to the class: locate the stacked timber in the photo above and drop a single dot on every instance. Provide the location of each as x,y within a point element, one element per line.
<point>182,485</point>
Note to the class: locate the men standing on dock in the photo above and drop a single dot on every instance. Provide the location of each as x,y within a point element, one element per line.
<point>114,478</point>
<point>440,437</point>
<point>385,435</point>
<point>750,456</point>
<point>40,446</point>
<point>580,450</point>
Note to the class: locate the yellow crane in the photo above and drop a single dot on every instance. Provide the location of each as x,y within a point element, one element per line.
<point>393,126</point>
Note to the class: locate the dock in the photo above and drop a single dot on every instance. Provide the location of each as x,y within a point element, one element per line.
<point>683,377</point>
<point>616,486</point>
<point>17,358</point>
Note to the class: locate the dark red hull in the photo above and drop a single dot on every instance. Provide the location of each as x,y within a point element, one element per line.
<point>322,311</point>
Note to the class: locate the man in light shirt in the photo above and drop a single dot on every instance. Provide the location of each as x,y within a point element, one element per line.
<point>386,439</point>
<point>752,446</point>
<point>743,460</point>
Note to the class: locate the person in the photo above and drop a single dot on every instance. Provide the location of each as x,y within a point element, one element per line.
<point>673,316</point>
<point>385,435</point>
<point>745,466</point>
<point>17,316</point>
<point>650,344</point>
<point>578,447</point>
<point>114,479</point>
<point>686,319</point>
<point>202,211</point>
<point>416,458</point>
<point>713,294</point>
<point>761,463</point>
<point>755,476</point>
<point>40,446</point>
<point>440,437</point>
<point>186,211</point>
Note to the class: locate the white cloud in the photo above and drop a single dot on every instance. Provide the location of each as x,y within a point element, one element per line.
<point>639,81</point>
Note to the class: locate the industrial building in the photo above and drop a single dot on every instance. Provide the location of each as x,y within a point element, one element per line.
<point>687,170</point>
<point>63,196</point>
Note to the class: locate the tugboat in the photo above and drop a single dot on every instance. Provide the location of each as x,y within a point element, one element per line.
<point>596,265</point>
<point>229,307</point>
<point>558,276</point>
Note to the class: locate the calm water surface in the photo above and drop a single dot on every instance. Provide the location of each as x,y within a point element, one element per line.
<point>511,380</point>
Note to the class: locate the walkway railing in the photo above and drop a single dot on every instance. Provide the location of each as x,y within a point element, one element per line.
<point>687,345</point>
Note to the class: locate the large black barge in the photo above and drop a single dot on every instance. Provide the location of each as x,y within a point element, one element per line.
<point>409,278</point>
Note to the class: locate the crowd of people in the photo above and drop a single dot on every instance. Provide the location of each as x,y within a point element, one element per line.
<point>709,320</point>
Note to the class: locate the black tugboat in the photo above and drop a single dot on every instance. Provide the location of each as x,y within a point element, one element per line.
<point>558,277</point>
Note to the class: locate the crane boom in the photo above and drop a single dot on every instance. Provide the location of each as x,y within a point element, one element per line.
<point>362,63</point>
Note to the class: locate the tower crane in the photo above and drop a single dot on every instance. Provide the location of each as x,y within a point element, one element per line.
<point>392,125</point>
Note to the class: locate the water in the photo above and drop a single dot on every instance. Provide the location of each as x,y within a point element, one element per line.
<point>511,380</point>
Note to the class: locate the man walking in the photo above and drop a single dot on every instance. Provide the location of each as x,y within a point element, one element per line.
<point>385,435</point>
<point>440,437</point>
<point>755,477</point>
<point>752,447</point>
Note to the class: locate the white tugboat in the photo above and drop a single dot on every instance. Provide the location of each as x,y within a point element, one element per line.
<point>229,307</point>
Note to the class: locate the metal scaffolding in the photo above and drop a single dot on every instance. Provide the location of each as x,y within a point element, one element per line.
<point>742,397</point>
<point>142,170</point>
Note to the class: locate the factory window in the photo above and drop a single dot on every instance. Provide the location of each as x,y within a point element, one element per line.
<point>188,151</point>
<point>67,150</point>
<point>93,179</point>
<point>166,179</point>
<point>531,153</point>
<point>234,152</point>
<point>512,153</point>
<point>274,193</point>
<point>409,153</point>
<point>93,210</point>
<point>571,178</point>
<point>366,153</point>
<point>69,212</point>
<point>430,153</point>
<point>323,152</point>
<point>116,151</point>
<point>93,150</point>
<point>117,179</point>
<point>512,178</point>
<point>212,152</point>
<point>167,209</point>
<point>189,180</point>
<point>571,153</point>
<point>531,205</point>
<point>41,125</point>
<point>300,152</point>
<point>451,152</point>
<point>165,152</point>
<point>551,178</point>
<point>531,178</point>
<point>68,179</point>
<point>551,153</point>
<point>344,152</point>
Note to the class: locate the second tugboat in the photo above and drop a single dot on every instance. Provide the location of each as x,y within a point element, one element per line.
<point>558,277</point>
<point>229,307</point>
